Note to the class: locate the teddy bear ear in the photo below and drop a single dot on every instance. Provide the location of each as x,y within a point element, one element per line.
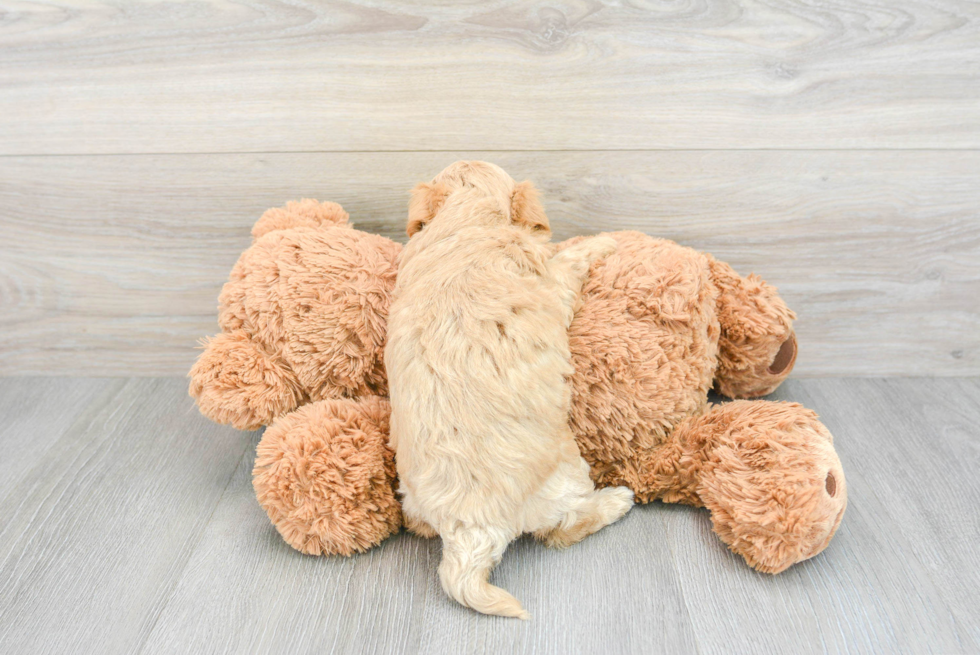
<point>526,210</point>
<point>425,202</point>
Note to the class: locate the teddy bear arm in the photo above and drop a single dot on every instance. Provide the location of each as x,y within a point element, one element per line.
<point>236,382</point>
<point>757,346</point>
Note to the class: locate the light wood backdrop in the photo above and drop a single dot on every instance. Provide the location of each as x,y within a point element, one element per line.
<point>832,148</point>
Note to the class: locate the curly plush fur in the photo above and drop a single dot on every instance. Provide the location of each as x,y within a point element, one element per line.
<point>768,473</point>
<point>326,476</point>
<point>304,318</point>
<point>658,325</point>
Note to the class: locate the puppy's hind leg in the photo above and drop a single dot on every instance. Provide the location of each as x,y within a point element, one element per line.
<point>417,526</point>
<point>468,555</point>
<point>411,518</point>
<point>603,507</point>
<point>585,512</point>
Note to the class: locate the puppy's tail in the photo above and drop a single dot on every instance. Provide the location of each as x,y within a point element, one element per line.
<point>468,555</point>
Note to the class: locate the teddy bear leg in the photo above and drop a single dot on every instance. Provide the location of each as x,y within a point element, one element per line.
<point>326,477</point>
<point>235,382</point>
<point>769,474</point>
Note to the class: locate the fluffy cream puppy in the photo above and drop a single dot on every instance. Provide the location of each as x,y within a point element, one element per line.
<point>478,362</point>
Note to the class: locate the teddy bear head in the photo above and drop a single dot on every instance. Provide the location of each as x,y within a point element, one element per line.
<point>303,317</point>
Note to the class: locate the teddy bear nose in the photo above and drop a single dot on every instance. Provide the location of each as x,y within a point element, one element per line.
<point>831,484</point>
<point>785,357</point>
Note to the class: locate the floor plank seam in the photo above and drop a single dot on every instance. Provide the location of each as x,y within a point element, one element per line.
<point>345,603</point>
<point>195,544</point>
<point>81,424</point>
<point>680,584</point>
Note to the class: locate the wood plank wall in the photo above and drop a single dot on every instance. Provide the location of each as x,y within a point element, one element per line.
<point>833,149</point>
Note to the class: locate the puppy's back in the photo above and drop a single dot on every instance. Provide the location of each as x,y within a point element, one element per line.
<point>477,365</point>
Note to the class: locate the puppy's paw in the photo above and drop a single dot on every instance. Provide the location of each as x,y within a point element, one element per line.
<point>615,502</point>
<point>419,527</point>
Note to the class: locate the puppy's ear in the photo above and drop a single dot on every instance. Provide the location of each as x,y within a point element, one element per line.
<point>526,209</point>
<point>425,202</point>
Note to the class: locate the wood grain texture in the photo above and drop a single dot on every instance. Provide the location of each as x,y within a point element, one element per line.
<point>111,265</point>
<point>245,590</point>
<point>99,527</point>
<point>922,489</point>
<point>89,77</point>
<point>138,531</point>
<point>34,414</point>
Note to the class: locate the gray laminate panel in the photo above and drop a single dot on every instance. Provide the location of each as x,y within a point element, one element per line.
<point>138,530</point>
<point>96,534</point>
<point>35,413</point>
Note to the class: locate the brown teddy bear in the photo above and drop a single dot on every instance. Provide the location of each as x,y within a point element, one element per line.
<point>303,330</point>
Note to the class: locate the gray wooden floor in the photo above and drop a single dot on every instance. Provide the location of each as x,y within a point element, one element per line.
<point>129,525</point>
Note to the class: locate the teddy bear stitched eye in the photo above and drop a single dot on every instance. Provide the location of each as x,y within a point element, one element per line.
<point>831,484</point>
